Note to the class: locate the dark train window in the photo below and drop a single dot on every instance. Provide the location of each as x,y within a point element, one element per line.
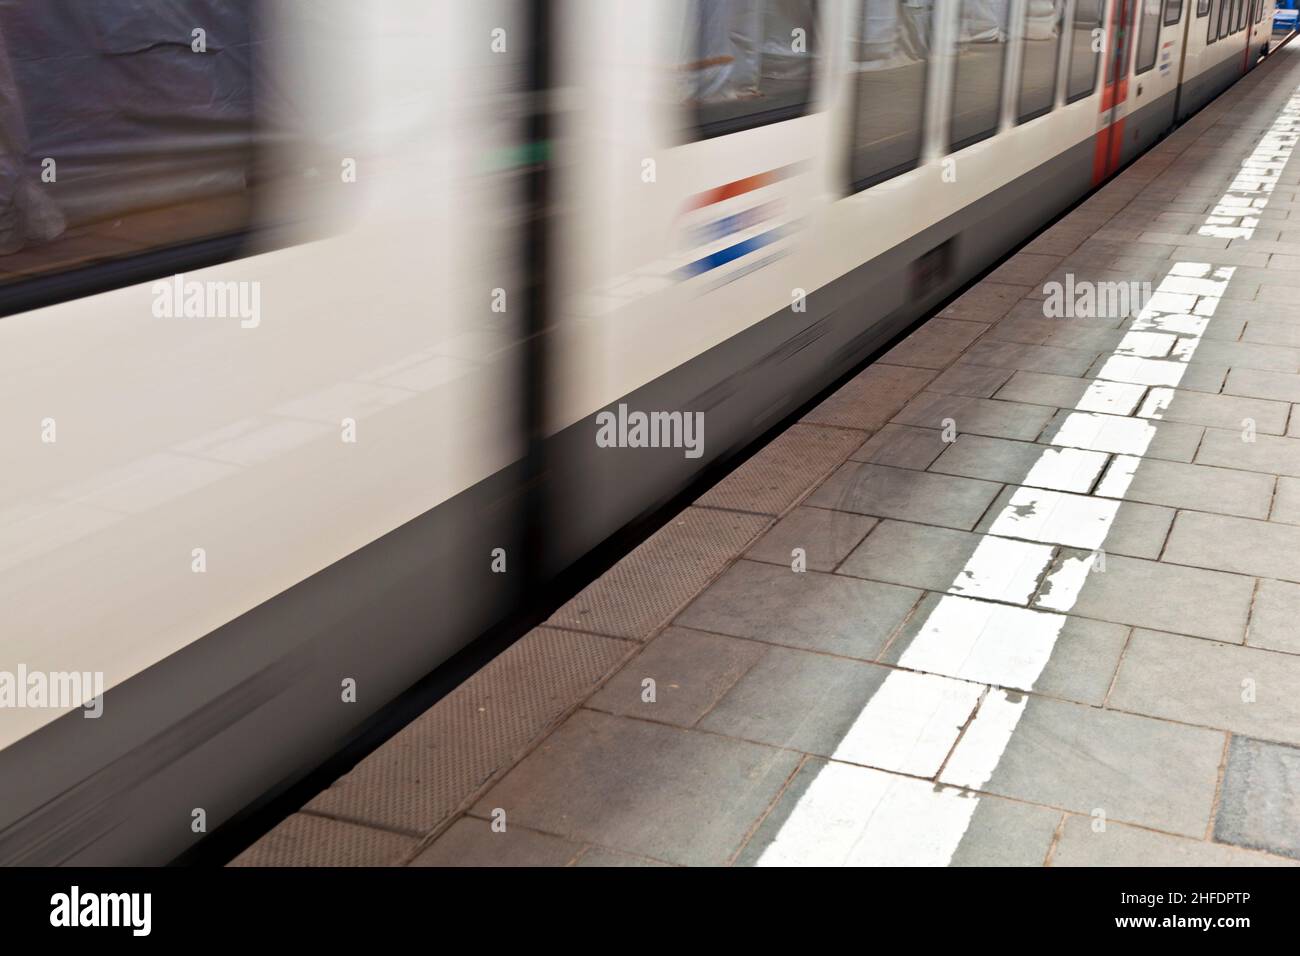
<point>1202,7</point>
<point>977,72</point>
<point>748,64</point>
<point>1259,10</point>
<point>1227,27</point>
<point>1082,77</point>
<point>1043,22</point>
<point>1212,29</point>
<point>888,52</point>
<point>1243,14</point>
<point>1173,12</point>
<point>1225,10</point>
<point>123,130</point>
<point>1148,34</point>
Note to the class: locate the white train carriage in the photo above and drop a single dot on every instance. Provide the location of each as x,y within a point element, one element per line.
<point>470,229</point>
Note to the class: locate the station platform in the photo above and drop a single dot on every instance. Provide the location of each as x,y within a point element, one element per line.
<point>1023,592</point>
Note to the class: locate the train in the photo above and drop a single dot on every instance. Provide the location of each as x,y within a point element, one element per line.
<point>331,333</point>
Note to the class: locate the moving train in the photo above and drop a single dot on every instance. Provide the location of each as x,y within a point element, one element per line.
<point>332,332</point>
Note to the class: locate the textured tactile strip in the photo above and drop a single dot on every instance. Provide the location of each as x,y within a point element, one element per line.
<point>307,840</point>
<point>643,591</point>
<point>418,779</point>
<point>776,477</point>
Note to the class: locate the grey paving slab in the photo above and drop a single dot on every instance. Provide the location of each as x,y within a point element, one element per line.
<point>1082,844</point>
<point>936,344</point>
<point>1163,597</point>
<point>691,670</point>
<point>1267,453</point>
<point>827,706</point>
<point>1175,441</point>
<point>978,416</point>
<point>643,590</point>
<point>1081,655</point>
<point>902,446</point>
<point>944,559</point>
<point>825,537</point>
<point>908,495</point>
<point>1079,521</point>
<point>1226,686</point>
<point>1257,383</point>
<point>1134,769</point>
<point>1025,268</point>
<point>871,397</point>
<point>1021,463</point>
<point>986,302</point>
<point>1198,487</point>
<point>1272,332</point>
<point>1218,411</point>
<point>1032,358</point>
<point>835,814</point>
<point>780,473</point>
<point>975,380</point>
<point>304,839</point>
<point>1258,806</point>
<point>1248,355</point>
<point>471,841</point>
<point>649,789</point>
<point>824,612</point>
<point>1275,617</point>
<point>1198,376</point>
<point>1262,548</point>
<point>1068,392</point>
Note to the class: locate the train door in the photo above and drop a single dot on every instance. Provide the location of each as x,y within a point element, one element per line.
<point>1114,96</point>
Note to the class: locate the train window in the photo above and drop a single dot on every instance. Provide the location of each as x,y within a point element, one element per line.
<point>1043,22</point>
<point>748,64</point>
<point>1083,57</point>
<point>889,52</point>
<point>1212,29</point>
<point>163,157</point>
<point>977,72</point>
<point>1259,10</point>
<point>1173,12</point>
<point>1148,34</point>
<point>1243,13</point>
<point>1202,8</point>
<point>1225,9</point>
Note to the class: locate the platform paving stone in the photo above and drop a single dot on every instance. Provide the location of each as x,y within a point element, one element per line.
<point>1262,548</point>
<point>1021,463</point>
<point>1267,454</point>
<point>1119,845</point>
<point>836,814</point>
<point>1196,487</point>
<point>1275,617</point>
<point>691,671</point>
<point>600,856</point>
<point>675,795</point>
<point>826,538</point>
<point>1084,653</point>
<point>824,612</point>
<point>1165,597</point>
<point>1257,383</point>
<point>1122,435</point>
<point>885,492</point>
<point>1135,769</point>
<point>824,705</point>
<point>1258,806</point>
<point>978,416</point>
<point>1033,358</point>
<point>1079,521</point>
<point>902,446</point>
<point>471,841</point>
<point>936,344</point>
<point>1242,689</point>
<point>975,380</point>
<point>1064,391</point>
<point>1218,411</point>
<point>305,839</point>
<point>943,559</point>
<point>986,302</point>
